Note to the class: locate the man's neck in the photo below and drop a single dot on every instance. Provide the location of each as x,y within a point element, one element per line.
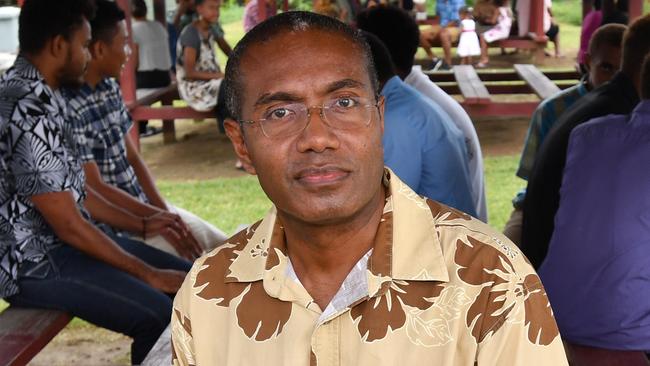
<point>93,75</point>
<point>323,255</point>
<point>45,68</point>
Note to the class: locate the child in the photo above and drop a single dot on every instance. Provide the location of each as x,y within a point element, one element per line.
<point>468,44</point>
<point>500,31</point>
<point>198,73</point>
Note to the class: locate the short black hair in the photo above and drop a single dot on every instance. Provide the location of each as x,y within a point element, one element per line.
<point>636,45</point>
<point>42,20</point>
<point>138,8</point>
<point>296,21</point>
<point>396,29</point>
<point>645,78</point>
<point>104,26</point>
<point>380,57</point>
<point>609,34</point>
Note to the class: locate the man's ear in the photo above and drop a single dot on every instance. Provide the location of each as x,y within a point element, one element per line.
<point>97,50</point>
<point>380,108</point>
<point>236,135</point>
<point>59,47</point>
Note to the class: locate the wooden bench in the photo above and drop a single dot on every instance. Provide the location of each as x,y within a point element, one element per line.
<point>161,353</point>
<point>541,85</point>
<point>478,87</point>
<point>471,86</point>
<point>142,110</point>
<point>25,332</point>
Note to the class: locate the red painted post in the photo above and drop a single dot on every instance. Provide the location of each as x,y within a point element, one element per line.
<point>127,80</point>
<point>537,18</point>
<point>635,9</point>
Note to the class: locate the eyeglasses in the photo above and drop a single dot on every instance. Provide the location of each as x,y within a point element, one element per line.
<point>341,113</point>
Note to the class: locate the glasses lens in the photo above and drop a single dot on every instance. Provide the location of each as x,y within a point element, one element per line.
<point>348,113</point>
<point>284,120</point>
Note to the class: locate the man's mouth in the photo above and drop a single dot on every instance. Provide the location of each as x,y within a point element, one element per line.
<point>321,175</point>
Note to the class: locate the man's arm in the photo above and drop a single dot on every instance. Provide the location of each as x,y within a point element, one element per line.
<point>169,226</point>
<point>115,195</point>
<point>527,336</point>
<point>143,174</point>
<point>60,211</point>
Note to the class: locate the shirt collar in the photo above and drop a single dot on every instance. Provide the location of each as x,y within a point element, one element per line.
<point>391,85</point>
<point>406,244</point>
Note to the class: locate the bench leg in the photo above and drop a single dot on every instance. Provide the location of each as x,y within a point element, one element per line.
<point>169,130</point>
<point>539,54</point>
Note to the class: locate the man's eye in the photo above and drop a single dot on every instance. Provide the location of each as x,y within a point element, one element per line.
<point>278,114</point>
<point>346,102</point>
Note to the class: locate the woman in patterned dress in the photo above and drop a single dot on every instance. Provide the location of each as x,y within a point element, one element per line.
<point>198,73</point>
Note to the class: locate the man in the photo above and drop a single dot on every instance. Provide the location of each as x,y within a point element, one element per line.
<point>112,163</point>
<point>350,267</point>
<point>421,144</point>
<point>399,32</point>
<point>446,33</point>
<point>619,96</point>
<point>602,233</point>
<point>602,61</point>
<point>51,256</point>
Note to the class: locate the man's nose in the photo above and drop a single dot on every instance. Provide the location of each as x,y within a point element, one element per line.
<point>317,136</point>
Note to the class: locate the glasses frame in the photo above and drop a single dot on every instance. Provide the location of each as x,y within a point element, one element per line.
<point>321,109</point>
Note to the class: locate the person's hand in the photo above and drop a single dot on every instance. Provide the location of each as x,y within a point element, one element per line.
<point>175,232</point>
<point>166,280</point>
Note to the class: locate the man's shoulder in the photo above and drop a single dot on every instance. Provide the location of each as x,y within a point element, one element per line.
<point>476,243</point>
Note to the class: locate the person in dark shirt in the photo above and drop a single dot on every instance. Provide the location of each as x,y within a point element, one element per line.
<point>619,96</point>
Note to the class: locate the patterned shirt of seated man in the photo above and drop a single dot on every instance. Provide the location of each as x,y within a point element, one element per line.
<point>36,157</point>
<point>100,121</point>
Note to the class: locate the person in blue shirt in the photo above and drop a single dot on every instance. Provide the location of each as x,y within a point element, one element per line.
<point>421,143</point>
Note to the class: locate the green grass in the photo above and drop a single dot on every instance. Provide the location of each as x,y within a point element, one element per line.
<point>226,203</point>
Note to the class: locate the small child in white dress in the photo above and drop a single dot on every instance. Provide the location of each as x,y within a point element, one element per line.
<point>468,44</point>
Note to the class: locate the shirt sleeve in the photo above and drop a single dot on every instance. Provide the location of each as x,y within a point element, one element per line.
<point>183,351</point>
<point>190,38</point>
<point>38,157</point>
<point>525,336</point>
<point>531,146</point>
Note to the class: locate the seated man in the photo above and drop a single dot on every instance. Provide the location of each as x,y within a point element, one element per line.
<point>446,33</point>
<point>603,231</point>
<point>619,96</point>
<point>112,164</point>
<point>602,61</point>
<point>51,256</point>
<point>421,144</point>
<point>399,32</point>
<point>350,266</point>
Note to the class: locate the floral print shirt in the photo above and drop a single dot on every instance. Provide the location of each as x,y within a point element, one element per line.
<point>440,288</point>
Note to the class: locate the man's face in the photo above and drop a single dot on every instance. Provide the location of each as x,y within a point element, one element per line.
<point>320,175</point>
<point>77,57</point>
<point>209,10</point>
<point>115,53</point>
<point>603,64</point>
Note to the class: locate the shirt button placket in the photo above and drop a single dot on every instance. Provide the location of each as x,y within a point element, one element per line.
<point>325,343</point>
